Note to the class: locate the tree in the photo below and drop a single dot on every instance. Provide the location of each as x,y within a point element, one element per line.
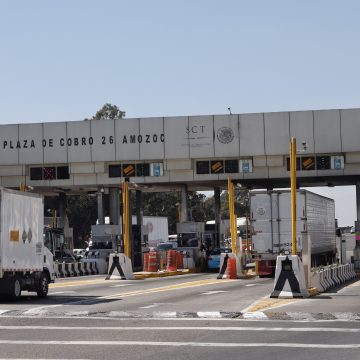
<point>109,111</point>
<point>162,204</point>
<point>82,213</point>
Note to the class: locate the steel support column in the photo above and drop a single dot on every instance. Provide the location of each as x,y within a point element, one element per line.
<point>100,207</point>
<point>114,204</point>
<point>357,229</point>
<point>217,211</point>
<point>184,207</point>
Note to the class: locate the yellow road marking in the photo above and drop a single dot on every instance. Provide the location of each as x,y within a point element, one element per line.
<point>75,283</point>
<point>270,303</point>
<point>166,288</point>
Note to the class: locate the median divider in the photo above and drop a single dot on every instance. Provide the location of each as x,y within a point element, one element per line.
<point>89,267</point>
<point>327,277</point>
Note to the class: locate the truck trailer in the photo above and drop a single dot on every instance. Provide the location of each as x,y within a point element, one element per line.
<point>271,227</point>
<point>25,262</point>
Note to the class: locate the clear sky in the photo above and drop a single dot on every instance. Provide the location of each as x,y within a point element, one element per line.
<point>62,60</point>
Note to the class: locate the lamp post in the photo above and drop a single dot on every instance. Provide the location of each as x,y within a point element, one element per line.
<point>293,193</point>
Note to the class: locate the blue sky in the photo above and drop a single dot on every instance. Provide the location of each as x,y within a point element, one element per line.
<point>62,60</point>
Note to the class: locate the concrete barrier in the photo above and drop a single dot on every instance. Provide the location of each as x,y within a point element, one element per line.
<point>120,267</point>
<point>289,278</point>
<point>332,276</point>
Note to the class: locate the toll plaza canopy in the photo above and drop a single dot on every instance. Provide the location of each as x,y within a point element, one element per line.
<point>199,151</point>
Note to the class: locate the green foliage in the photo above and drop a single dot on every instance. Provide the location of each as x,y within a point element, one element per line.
<point>109,111</point>
<point>82,213</point>
<point>162,204</point>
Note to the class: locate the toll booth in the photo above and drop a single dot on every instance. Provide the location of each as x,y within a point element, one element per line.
<point>214,234</point>
<point>105,237</point>
<point>190,236</point>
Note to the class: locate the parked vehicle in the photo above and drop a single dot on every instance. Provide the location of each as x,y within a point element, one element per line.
<point>25,262</point>
<point>271,223</point>
<point>213,261</point>
<point>165,246</point>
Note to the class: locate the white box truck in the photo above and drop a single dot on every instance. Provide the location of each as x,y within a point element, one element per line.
<point>25,262</point>
<point>271,227</point>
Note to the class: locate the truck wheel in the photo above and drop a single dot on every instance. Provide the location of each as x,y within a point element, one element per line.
<point>43,285</point>
<point>15,293</point>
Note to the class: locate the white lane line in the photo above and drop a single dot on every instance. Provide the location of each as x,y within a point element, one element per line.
<point>182,328</point>
<point>179,344</point>
<point>122,285</point>
<point>249,285</point>
<point>61,292</point>
<point>213,292</point>
<point>153,305</point>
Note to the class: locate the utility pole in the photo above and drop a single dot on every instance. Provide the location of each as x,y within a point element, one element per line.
<point>293,193</point>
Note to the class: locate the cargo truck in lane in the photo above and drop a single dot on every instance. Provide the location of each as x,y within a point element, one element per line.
<point>271,227</point>
<point>25,262</point>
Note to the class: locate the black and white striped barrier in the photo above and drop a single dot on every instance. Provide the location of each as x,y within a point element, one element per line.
<point>327,277</point>
<point>289,278</point>
<point>76,269</point>
<point>59,273</point>
<point>120,267</point>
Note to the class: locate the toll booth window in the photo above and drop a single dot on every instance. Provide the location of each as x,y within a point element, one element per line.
<point>202,167</point>
<point>142,169</point>
<point>62,172</point>
<point>128,170</point>
<point>114,171</point>
<point>217,167</point>
<point>36,173</point>
<point>308,163</point>
<point>297,164</point>
<point>323,162</point>
<point>231,166</point>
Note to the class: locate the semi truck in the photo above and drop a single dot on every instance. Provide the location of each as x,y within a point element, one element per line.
<point>25,262</point>
<point>270,213</point>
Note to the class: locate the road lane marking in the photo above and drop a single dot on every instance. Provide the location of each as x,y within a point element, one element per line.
<point>122,285</point>
<point>88,343</point>
<point>213,292</point>
<point>266,303</point>
<point>153,305</point>
<point>166,288</point>
<point>76,283</point>
<point>183,328</point>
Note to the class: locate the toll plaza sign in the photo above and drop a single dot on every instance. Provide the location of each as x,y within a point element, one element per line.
<point>113,140</point>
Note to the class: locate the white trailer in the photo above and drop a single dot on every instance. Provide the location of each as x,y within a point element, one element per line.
<point>25,262</point>
<point>271,227</point>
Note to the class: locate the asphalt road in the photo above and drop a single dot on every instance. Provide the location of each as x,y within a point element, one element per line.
<point>191,316</point>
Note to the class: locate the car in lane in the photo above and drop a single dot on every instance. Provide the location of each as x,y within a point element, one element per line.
<point>213,260</point>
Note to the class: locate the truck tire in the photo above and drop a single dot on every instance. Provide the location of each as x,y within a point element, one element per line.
<point>15,292</point>
<point>43,288</point>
